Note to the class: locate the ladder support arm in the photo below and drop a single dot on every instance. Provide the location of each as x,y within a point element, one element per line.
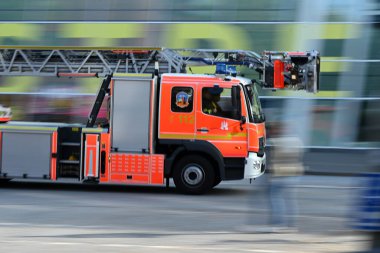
<point>99,101</point>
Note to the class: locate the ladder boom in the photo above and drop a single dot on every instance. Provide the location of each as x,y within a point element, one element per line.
<point>277,69</point>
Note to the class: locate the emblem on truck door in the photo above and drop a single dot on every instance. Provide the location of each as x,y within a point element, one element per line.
<point>224,126</point>
<point>182,99</point>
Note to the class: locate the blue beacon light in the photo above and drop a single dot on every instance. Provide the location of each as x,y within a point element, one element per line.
<point>224,69</point>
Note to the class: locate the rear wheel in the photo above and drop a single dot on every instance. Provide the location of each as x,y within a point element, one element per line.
<point>194,174</point>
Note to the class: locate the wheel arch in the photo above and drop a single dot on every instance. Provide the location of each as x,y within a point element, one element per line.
<point>197,147</point>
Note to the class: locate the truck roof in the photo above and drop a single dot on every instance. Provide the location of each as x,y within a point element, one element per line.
<point>194,77</point>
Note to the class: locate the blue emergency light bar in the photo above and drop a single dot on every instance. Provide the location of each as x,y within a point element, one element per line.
<point>224,69</point>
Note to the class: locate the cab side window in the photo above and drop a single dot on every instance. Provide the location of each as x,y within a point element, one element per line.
<point>182,99</point>
<point>218,102</point>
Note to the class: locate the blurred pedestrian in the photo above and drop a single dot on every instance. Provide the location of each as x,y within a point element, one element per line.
<point>285,167</point>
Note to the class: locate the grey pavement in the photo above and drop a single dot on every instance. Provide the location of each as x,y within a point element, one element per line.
<point>92,218</point>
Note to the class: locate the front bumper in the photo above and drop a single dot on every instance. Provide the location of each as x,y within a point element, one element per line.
<point>254,165</point>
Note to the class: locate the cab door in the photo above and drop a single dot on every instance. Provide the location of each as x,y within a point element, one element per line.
<point>177,111</point>
<point>224,129</point>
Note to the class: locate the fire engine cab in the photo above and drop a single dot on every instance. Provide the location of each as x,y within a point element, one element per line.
<point>162,123</point>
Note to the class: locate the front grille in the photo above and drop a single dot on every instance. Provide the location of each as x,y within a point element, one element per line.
<point>261,151</point>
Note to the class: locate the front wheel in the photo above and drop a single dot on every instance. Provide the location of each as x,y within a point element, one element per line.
<point>217,181</point>
<point>194,174</point>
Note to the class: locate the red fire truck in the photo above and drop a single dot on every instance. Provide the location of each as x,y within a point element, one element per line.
<point>162,122</point>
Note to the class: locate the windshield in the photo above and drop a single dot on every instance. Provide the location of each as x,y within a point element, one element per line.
<point>257,115</point>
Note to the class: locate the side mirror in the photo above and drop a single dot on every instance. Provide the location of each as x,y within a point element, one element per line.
<point>243,120</point>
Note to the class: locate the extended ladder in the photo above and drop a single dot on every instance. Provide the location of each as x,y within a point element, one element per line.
<point>299,70</point>
<point>277,69</point>
<point>103,61</point>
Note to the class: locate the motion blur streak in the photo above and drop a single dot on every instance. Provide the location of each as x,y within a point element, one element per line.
<point>339,127</point>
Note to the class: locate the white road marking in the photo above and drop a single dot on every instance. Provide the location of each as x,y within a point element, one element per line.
<point>167,247</point>
<point>264,251</point>
<point>327,187</point>
<point>16,224</point>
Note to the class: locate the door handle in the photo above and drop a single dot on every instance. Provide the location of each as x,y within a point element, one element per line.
<point>204,130</point>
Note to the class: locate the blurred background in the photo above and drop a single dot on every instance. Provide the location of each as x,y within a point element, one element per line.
<point>339,126</point>
<point>344,115</point>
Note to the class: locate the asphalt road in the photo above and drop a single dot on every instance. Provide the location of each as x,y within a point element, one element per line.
<point>37,217</point>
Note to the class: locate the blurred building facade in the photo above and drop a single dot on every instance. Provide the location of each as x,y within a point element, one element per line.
<point>345,113</point>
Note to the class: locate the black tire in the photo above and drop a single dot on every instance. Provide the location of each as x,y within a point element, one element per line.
<point>5,180</point>
<point>217,181</point>
<point>193,174</point>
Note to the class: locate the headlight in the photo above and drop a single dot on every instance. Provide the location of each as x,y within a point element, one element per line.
<point>256,165</point>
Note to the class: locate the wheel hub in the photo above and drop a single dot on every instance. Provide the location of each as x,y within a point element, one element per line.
<point>193,175</point>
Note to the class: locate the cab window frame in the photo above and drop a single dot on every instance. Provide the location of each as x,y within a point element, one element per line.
<point>173,99</point>
<point>227,114</point>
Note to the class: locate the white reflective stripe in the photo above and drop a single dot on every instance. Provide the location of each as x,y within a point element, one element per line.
<point>90,166</point>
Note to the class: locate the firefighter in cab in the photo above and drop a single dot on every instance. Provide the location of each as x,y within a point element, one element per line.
<point>210,99</point>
